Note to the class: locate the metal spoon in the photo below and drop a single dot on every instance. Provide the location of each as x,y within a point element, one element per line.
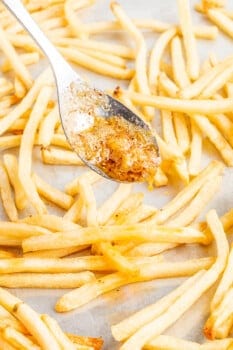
<point>70,85</point>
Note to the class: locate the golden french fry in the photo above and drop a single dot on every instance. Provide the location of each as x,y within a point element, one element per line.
<point>88,199</point>
<point>18,340</point>
<point>178,64</point>
<point>167,85</point>
<point>21,230</point>
<point>223,22</point>
<point>75,213</point>
<point>20,89</point>
<point>156,56</point>
<point>112,204</point>
<point>86,343</point>
<point>169,135</point>
<point>10,141</point>
<point>55,329</point>
<point>205,194</point>
<point>150,249</point>
<point>46,280</point>
<point>51,222</point>
<point>211,171</point>
<point>58,156</point>
<point>52,194</point>
<point>18,66</point>
<point>90,291</point>
<point>189,39</point>
<point>182,131</point>
<point>6,195</point>
<point>171,343</point>
<point>47,127</point>
<point>27,101</point>
<point>26,58</point>
<point>11,165</point>
<point>55,253</point>
<point>195,149</point>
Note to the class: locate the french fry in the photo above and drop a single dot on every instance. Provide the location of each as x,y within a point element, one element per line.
<point>105,47</point>
<point>195,150</point>
<point>82,59</point>
<point>171,343</point>
<point>30,320</point>
<point>106,57</point>
<point>157,325</point>
<point>60,140</point>
<point>90,291</point>
<point>55,253</point>
<point>117,259</point>
<point>18,66</point>
<point>11,165</point>
<point>62,338</point>
<point>182,131</point>
<point>169,135</point>
<point>167,85</point>
<point>189,39</point>
<point>156,57</point>
<point>27,101</point>
<point>178,64</point>
<point>185,106</point>
<point>72,188</point>
<point>150,249</point>
<point>138,232</point>
<point>18,340</point>
<point>205,194</point>
<point>5,344</point>
<point>141,56</point>
<point>222,21</point>
<point>215,137</point>
<point>11,141</point>
<point>25,152</point>
<point>130,325</point>
<point>58,156</point>
<point>75,213</point>
<point>47,127</point>
<point>224,124</point>
<point>46,280</point>
<point>52,194</point>
<point>26,58</point>
<point>88,199</point>
<point>21,230</point>
<point>20,90</point>
<point>140,214</point>
<point>211,171</point>
<point>51,222</point>
<point>111,204</point>
<point>6,195</point>
<point>202,82</point>
<point>88,342</point>
<point>8,320</point>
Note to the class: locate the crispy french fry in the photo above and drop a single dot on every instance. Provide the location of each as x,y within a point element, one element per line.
<point>82,59</point>
<point>58,156</point>
<point>10,141</point>
<point>189,39</point>
<point>111,204</point>
<point>52,194</point>
<point>46,280</point>
<point>27,101</point>
<point>215,137</point>
<point>168,128</point>
<point>26,58</point>
<point>141,56</point>
<point>47,127</point>
<point>21,230</point>
<point>19,68</point>
<point>105,284</point>
<point>178,64</point>
<point>55,329</point>
<point>18,340</point>
<point>182,131</point>
<point>195,149</point>
<point>224,124</point>
<point>88,199</point>
<point>55,253</point>
<point>205,194</point>
<point>11,165</point>
<point>176,105</point>
<point>25,152</point>
<point>150,249</point>
<point>88,342</point>
<point>214,169</point>
<point>20,89</point>
<point>171,343</point>
<point>75,213</point>
<point>51,222</point>
<point>72,188</point>
<point>222,21</point>
<point>156,56</point>
<point>138,232</point>
<point>6,195</point>
<point>167,85</point>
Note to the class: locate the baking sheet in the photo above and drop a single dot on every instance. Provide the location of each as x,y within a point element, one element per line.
<point>96,318</point>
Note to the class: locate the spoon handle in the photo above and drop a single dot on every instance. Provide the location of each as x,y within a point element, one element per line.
<point>60,67</point>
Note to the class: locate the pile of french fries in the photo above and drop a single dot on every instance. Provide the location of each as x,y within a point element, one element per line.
<point>122,241</point>
<point>23,328</point>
